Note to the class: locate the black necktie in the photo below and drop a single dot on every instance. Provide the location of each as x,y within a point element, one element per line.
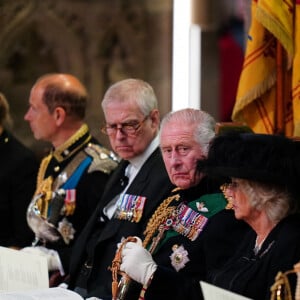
<point>123,183</point>
<point>118,188</point>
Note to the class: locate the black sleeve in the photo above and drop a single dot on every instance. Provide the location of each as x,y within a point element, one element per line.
<point>169,284</point>
<point>22,190</point>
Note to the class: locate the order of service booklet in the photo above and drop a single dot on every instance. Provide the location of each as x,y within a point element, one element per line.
<point>211,292</point>
<point>24,276</point>
<point>56,293</point>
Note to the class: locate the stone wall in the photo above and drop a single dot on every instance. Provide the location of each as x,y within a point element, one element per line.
<point>100,41</point>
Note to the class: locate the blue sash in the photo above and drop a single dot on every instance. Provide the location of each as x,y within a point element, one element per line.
<point>72,182</point>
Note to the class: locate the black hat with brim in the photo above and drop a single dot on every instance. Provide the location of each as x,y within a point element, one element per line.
<point>271,159</point>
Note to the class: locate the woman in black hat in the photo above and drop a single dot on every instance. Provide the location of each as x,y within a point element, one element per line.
<point>264,173</point>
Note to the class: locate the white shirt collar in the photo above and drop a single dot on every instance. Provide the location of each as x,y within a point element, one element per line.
<point>137,162</point>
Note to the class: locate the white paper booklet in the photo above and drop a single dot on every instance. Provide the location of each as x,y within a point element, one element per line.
<point>22,271</point>
<point>56,293</point>
<point>211,292</point>
<point>24,276</point>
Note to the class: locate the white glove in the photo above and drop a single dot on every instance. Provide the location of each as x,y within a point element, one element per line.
<point>138,241</point>
<point>137,262</point>
<point>63,285</point>
<point>52,256</point>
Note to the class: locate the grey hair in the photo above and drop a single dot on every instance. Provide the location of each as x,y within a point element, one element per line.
<point>205,124</point>
<point>274,200</point>
<point>131,89</point>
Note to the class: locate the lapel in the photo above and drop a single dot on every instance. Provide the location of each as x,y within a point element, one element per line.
<point>137,187</point>
<point>112,187</point>
<point>108,194</point>
<point>154,166</point>
<point>138,184</point>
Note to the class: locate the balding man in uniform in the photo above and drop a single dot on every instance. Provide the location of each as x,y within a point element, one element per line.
<point>72,177</point>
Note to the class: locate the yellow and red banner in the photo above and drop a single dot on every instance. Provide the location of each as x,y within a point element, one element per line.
<point>256,104</point>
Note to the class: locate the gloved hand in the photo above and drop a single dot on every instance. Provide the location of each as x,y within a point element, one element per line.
<point>52,256</point>
<point>137,262</point>
<point>63,285</point>
<point>138,241</point>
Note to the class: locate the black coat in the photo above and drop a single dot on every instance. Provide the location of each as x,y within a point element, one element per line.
<point>214,245</point>
<point>152,182</point>
<point>253,275</point>
<point>19,168</point>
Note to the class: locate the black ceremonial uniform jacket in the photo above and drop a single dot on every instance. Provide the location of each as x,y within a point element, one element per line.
<point>18,169</point>
<point>83,152</point>
<point>100,241</point>
<point>183,262</point>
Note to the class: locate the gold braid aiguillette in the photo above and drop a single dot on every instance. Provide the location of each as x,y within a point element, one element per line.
<point>44,187</point>
<point>162,213</point>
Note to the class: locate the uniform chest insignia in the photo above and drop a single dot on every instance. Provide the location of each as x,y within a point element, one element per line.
<point>201,206</point>
<point>130,207</point>
<point>70,202</point>
<point>188,222</point>
<point>179,257</point>
<point>66,230</point>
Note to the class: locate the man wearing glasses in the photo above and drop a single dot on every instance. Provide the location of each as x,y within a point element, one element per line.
<point>135,189</point>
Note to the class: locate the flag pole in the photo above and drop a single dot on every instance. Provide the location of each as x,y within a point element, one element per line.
<point>279,110</point>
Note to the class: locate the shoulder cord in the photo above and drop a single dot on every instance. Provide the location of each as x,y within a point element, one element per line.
<point>162,213</point>
<point>281,289</point>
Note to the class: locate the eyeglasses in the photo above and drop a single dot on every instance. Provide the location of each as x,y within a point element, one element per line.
<point>129,128</point>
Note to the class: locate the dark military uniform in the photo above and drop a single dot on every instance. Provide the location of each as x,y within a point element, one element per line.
<point>95,248</point>
<point>201,236</point>
<point>81,168</point>
<point>19,167</point>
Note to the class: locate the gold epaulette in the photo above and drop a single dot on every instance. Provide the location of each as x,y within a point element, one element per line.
<point>104,160</point>
<point>176,189</point>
